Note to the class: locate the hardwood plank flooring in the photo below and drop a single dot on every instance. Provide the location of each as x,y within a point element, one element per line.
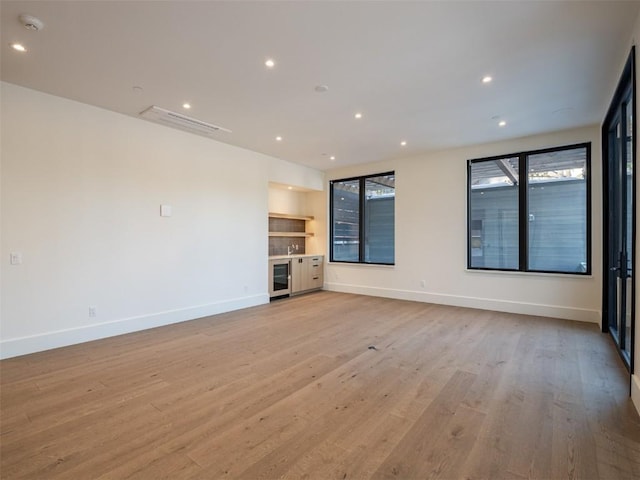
<point>292,390</point>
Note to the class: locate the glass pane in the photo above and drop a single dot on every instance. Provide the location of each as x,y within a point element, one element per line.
<point>614,216</point>
<point>557,201</point>
<point>629,181</point>
<point>628,178</point>
<point>627,319</point>
<point>493,236</point>
<point>280,277</point>
<point>379,223</point>
<point>346,221</point>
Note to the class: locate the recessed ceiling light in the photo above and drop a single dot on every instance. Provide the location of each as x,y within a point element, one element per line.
<point>186,106</point>
<point>321,88</point>
<point>358,115</point>
<point>332,158</point>
<point>487,79</point>
<point>403,143</point>
<point>502,123</point>
<point>270,63</point>
<point>278,138</point>
<point>290,187</point>
<point>18,47</point>
<point>137,89</point>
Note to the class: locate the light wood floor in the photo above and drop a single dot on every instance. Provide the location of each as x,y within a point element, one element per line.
<point>291,390</point>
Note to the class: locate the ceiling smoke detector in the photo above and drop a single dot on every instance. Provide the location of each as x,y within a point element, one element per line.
<point>30,22</point>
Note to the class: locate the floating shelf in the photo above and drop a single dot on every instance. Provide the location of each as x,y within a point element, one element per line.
<point>290,217</point>
<point>290,234</point>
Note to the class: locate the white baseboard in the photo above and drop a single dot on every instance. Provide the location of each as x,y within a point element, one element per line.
<point>635,391</point>
<point>553,311</point>
<point>62,338</point>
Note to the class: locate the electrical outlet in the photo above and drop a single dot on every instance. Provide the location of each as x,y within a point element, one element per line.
<point>165,210</point>
<point>15,258</point>
<point>93,311</point>
<point>423,284</point>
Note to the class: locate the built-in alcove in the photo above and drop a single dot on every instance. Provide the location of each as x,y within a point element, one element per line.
<point>297,218</point>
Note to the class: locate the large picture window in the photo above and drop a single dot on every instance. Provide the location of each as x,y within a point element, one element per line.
<point>531,211</point>
<point>363,219</point>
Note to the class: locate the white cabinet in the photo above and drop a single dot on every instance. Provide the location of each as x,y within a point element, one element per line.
<point>307,273</point>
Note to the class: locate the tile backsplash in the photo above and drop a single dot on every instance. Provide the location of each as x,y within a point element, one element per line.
<point>278,245</point>
<point>282,245</point>
<point>286,225</point>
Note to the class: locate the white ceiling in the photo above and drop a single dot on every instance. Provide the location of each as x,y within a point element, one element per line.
<point>413,69</point>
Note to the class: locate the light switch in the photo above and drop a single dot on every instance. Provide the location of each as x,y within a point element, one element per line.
<point>165,210</point>
<point>15,258</point>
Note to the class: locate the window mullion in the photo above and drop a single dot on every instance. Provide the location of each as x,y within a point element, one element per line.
<point>469,214</point>
<point>331,221</point>
<point>361,220</point>
<point>523,215</point>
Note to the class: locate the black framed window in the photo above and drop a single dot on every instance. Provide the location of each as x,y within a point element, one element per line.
<point>363,219</point>
<point>531,211</point>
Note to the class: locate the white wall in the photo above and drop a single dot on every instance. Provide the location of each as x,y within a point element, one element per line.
<point>80,199</point>
<point>287,173</point>
<point>431,239</point>
<point>291,202</point>
<point>317,207</point>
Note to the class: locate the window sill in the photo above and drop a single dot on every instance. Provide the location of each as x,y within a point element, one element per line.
<point>529,274</point>
<point>357,264</point>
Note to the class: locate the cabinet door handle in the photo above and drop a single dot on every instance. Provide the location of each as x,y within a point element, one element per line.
<point>315,278</point>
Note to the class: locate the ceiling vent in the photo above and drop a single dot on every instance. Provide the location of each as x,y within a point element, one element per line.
<point>177,120</point>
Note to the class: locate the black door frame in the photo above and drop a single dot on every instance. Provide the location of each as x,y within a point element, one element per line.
<point>627,80</point>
